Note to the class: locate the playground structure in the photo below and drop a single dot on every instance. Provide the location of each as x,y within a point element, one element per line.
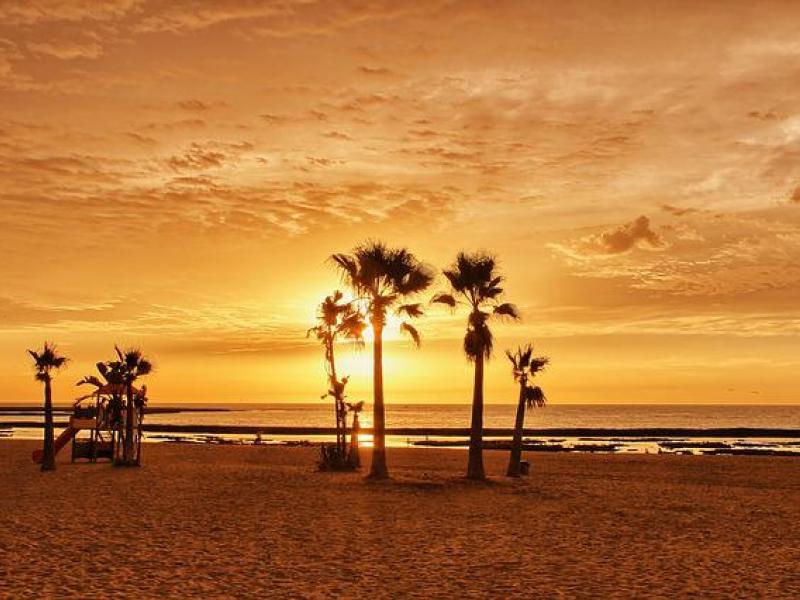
<point>97,426</point>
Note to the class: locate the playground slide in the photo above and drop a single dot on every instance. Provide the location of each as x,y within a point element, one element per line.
<point>61,441</point>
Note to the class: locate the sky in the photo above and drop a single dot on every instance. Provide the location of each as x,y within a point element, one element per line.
<point>175,175</point>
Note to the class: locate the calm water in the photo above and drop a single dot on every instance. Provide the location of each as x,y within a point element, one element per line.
<point>451,415</point>
<point>502,415</point>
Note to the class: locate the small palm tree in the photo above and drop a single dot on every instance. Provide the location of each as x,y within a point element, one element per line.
<point>45,362</point>
<point>475,283</point>
<point>381,277</point>
<point>526,366</point>
<point>336,319</point>
<point>113,390</point>
<point>131,365</point>
<point>354,457</point>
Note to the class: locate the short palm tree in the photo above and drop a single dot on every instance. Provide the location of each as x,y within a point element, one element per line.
<point>45,362</point>
<point>475,283</point>
<point>525,367</point>
<point>382,277</point>
<point>338,319</point>
<point>353,456</point>
<point>133,365</point>
<point>114,390</point>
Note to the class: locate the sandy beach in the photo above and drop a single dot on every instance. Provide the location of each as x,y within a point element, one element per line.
<point>214,522</point>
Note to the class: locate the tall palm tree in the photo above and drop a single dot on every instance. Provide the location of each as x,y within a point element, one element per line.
<point>337,318</point>
<point>45,362</point>
<point>526,366</point>
<point>475,283</point>
<point>133,365</point>
<point>382,277</point>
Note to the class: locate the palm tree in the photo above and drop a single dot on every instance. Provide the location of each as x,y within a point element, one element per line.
<point>354,457</point>
<point>109,391</point>
<point>526,366</point>
<point>45,362</point>
<point>381,277</point>
<point>475,282</point>
<point>337,319</point>
<point>114,389</point>
<point>133,365</point>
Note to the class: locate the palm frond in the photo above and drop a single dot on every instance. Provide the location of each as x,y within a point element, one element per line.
<point>534,397</point>
<point>355,407</point>
<point>416,280</point>
<point>347,264</point>
<point>90,380</point>
<point>507,310</point>
<point>411,310</point>
<point>412,331</point>
<point>478,341</point>
<point>444,298</point>
<point>537,364</point>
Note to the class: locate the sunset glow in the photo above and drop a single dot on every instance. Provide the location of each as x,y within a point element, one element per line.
<point>176,175</point>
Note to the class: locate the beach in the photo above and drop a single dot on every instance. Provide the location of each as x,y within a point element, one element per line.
<point>246,521</point>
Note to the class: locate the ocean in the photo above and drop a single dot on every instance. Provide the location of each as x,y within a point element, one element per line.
<point>595,416</point>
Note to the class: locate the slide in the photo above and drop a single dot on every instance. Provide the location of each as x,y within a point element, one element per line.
<point>61,441</point>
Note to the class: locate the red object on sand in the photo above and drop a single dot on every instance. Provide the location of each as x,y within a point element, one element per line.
<point>61,441</point>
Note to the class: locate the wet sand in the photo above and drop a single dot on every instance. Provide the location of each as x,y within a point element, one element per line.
<point>220,521</point>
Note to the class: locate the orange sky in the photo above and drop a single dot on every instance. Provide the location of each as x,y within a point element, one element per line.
<point>174,174</point>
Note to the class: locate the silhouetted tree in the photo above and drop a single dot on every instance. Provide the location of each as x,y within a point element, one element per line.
<point>474,282</point>
<point>354,456</point>
<point>525,367</point>
<point>133,365</point>
<point>45,362</point>
<point>336,319</point>
<point>113,390</point>
<point>380,278</point>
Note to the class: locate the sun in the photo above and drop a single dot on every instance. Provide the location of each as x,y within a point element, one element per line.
<point>391,331</point>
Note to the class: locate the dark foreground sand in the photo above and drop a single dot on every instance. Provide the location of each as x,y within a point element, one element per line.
<point>217,522</point>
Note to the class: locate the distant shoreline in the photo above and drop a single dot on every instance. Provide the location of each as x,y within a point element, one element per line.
<point>638,432</point>
<point>28,409</point>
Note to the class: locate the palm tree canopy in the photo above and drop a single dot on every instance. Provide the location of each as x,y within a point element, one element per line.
<point>381,276</point>
<point>46,360</point>
<point>526,365</point>
<point>337,318</point>
<point>132,363</point>
<point>355,407</point>
<point>474,280</point>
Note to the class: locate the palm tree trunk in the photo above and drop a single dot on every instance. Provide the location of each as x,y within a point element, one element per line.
<point>516,444</point>
<point>337,401</point>
<point>127,449</point>
<point>353,457</point>
<point>378,468</point>
<point>49,450</point>
<point>139,419</point>
<point>475,465</point>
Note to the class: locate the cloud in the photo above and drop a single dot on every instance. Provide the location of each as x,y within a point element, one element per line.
<point>197,157</point>
<point>635,233</point>
<point>795,197</point>
<point>374,70</point>
<point>25,12</point>
<point>711,255</point>
<point>176,125</point>
<point>198,105</point>
<point>677,210</point>
<point>337,135</point>
<point>67,49</point>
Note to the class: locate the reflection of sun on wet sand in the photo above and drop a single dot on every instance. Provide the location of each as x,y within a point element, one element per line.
<point>210,521</point>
